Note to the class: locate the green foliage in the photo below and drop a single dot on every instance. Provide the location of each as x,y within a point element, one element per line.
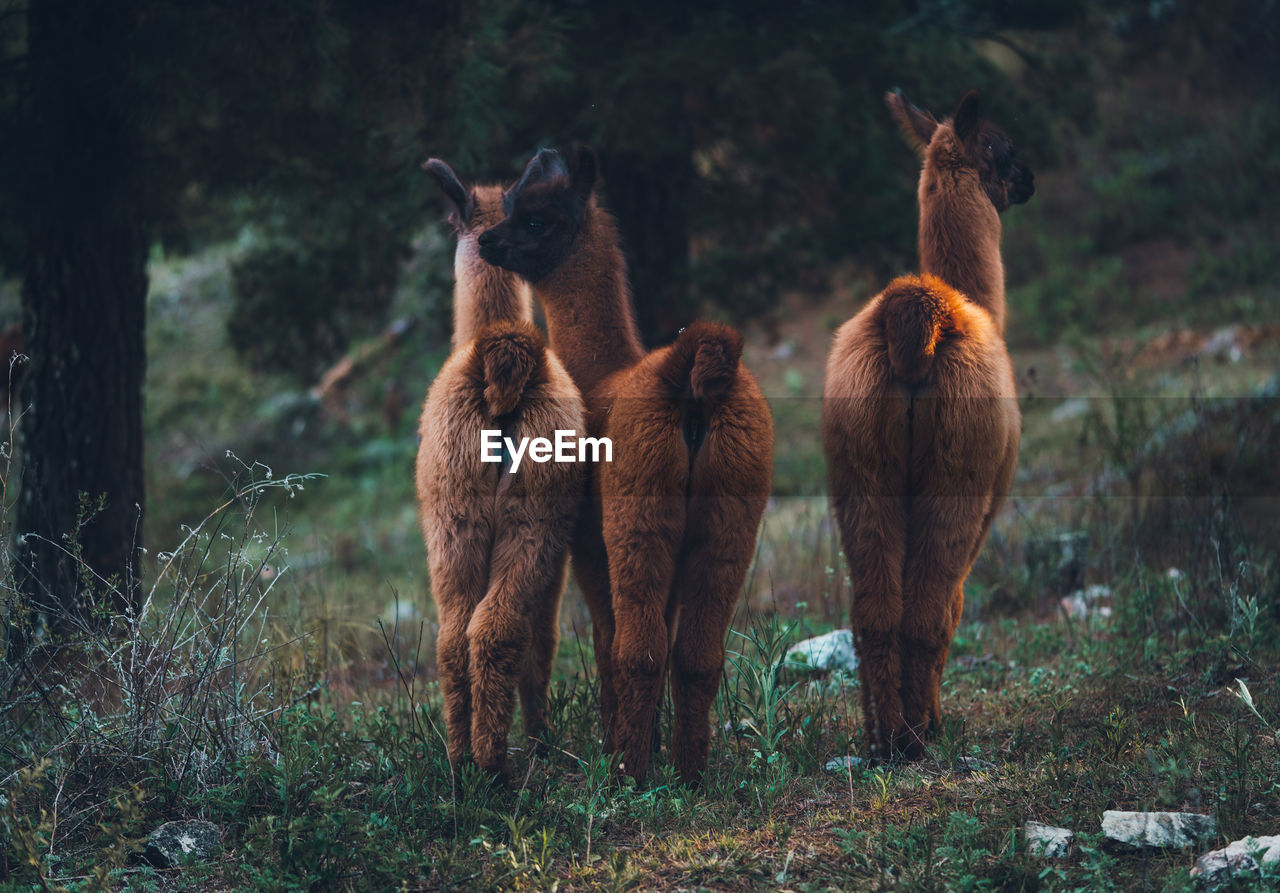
<point>301,299</point>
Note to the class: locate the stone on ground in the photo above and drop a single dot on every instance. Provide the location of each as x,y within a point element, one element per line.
<point>1217,868</point>
<point>823,654</point>
<point>1048,841</point>
<point>175,843</point>
<point>1167,830</point>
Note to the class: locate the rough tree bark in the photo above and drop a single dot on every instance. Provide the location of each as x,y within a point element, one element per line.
<point>83,315</point>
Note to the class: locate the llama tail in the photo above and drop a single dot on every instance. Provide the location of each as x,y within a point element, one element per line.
<point>510,356</point>
<point>918,313</point>
<point>703,362</point>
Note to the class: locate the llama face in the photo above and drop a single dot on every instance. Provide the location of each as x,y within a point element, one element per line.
<point>544,212</point>
<point>1006,180</point>
<point>991,152</point>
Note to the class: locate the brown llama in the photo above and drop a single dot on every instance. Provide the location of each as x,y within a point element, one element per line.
<point>497,541</point>
<point>921,424</point>
<point>669,529</point>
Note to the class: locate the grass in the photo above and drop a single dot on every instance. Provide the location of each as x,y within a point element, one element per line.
<point>358,795</point>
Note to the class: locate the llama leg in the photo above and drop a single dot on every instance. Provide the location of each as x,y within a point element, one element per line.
<point>942,539</point>
<point>727,497</point>
<point>591,570</point>
<point>940,661</point>
<point>639,655</point>
<point>642,564</point>
<point>535,682</point>
<point>499,637</point>
<point>452,661</point>
<point>867,443</point>
<point>874,617</point>
<point>459,570</point>
<point>707,585</point>
<point>1003,482</point>
<point>643,520</point>
<point>872,530</point>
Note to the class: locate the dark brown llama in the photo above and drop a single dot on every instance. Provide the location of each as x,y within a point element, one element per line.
<point>497,541</point>
<point>921,424</point>
<point>669,529</point>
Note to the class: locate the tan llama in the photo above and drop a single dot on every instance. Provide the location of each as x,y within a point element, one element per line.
<point>921,424</point>
<point>497,541</point>
<point>670,525</point>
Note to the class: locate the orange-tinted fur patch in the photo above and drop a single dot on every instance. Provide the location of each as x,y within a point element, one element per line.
<point>918,312</point>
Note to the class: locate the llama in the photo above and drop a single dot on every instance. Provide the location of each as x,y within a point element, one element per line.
<point>921,424</point>
<point>497,542</point>
<point>669,529</point>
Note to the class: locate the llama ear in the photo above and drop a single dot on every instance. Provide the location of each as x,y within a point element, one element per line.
<point>968,116</point>
<point>584,172</point>
<point>546,165</point>
<point>916,124</point>
<point>452,187</point>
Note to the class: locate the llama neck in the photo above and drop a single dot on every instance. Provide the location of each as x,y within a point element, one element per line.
<point>959,237</point>
<point>484,294</point>
<point>588,306</point>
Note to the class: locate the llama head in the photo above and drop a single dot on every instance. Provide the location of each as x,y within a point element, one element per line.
<point>474,210</point>
<point>544,211</point>
<point>482,292</point>
<point>971,141</point>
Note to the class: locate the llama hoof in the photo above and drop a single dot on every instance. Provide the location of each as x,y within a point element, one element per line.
<point>499,776</point>
<point>538,746</point>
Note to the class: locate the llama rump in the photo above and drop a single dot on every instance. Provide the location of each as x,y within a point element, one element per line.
<point>921,426</point>
<point>497,542</point>
<point>669,528</point>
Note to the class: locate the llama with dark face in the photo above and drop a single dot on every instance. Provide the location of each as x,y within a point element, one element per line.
<point>669,527</point>
<point>921,424</point>
<point>497,541</point>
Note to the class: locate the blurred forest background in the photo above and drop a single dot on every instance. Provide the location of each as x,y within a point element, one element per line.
<point>241,183</point>
<point>233,283</point>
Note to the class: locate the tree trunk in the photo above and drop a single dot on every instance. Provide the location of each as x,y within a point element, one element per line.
<point>79,511</point>
<point>83,303</point>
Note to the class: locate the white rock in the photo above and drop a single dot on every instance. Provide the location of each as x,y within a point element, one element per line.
<point>1217,868</point>
<point>834,651</point>
<point>1047,841</point>
<point>1171,830</point>
<point>175,843</point>
<point>841,763</point>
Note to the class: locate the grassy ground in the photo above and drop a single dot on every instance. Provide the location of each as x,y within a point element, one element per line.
<point>282,685</point>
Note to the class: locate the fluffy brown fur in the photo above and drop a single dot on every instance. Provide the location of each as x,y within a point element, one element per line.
<point>670,525</point>
<point>497,542</point>
<point>921,424</point>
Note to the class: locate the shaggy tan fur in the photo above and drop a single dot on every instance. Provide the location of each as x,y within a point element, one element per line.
<point>921,425</point>
<point>670,525</point>
<point>497,542</point>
